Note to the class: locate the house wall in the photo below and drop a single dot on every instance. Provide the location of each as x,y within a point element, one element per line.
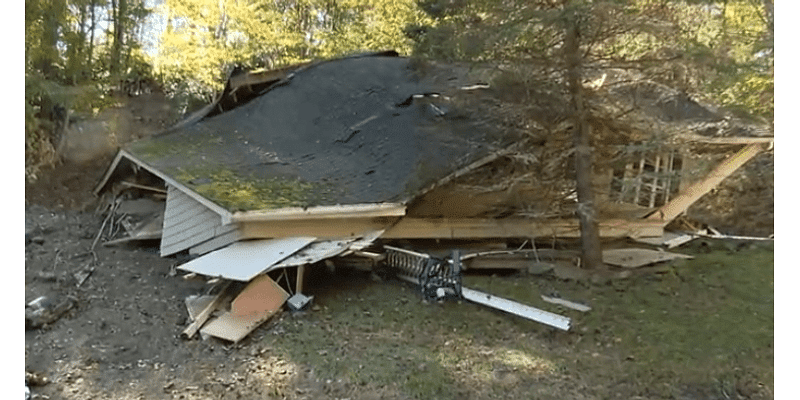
<point>188,223</point>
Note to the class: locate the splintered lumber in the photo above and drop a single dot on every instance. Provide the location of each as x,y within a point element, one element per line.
<point>196,304</point>
<point>259,301</point>
<point>691,194</point>
<point>202,317</point>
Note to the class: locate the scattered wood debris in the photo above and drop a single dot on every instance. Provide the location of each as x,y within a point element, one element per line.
<point>566,303</point>
<point>45,310</point>
<point>669,239</point>
<point>635,258</point>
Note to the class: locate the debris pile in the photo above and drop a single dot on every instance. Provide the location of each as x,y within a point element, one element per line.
<point>342,162</point>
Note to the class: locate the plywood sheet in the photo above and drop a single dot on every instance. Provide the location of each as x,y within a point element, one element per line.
<point>635,258</point>
<point>256,303</point>
<point>235,327</point>
<point>261,294</point>
<point>243,261</point>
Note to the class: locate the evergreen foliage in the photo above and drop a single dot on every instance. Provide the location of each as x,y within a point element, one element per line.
<point>79,52</point>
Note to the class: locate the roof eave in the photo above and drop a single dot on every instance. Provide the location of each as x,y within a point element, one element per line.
<point>322,212</point>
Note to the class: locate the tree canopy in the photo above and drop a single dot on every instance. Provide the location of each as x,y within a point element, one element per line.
<point>79,52</point>
<point>203,39</point>
<point>720,50</point>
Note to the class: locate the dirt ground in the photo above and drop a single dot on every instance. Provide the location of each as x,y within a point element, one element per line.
<point>121,338</point>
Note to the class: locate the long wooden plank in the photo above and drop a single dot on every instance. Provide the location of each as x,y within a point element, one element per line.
<point>691,194</point>
<point>474,228</point>
<point>323,212</point>
<point>728,140</point>
<point>464,228</point>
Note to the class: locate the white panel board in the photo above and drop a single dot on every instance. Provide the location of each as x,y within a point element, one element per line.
<point>366,240</point>
<point>522,310</point>
<point>242,261</point>
<point>314,252</point>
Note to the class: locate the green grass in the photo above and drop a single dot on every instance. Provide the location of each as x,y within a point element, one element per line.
<point>704,328</point>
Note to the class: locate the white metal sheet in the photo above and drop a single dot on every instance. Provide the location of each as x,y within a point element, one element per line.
<point>522,310</point>
<point>314,252</point>
<point>242,261</point>
<point>366,240</point>
<point>519,309</point>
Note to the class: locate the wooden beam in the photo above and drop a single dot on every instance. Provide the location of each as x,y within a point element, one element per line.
<point>322,212</point>
<point>728,140</point>
<point>475,228</point>
<point>322,229</point>
<point>452,228</point>
<point>301,274</point>
<point>691,194</point>
<point>205,314</point>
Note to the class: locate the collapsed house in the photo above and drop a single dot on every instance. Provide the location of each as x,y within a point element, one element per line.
<point>290,167</point>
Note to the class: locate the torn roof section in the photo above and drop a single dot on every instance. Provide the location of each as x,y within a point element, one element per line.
<point>348,132</point>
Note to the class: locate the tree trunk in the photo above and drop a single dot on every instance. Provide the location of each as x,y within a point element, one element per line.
<point>591,253</point>
<point>119,11</point>
<point>769,10</point>
<point>91,41</point>
<point>53,13</point>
